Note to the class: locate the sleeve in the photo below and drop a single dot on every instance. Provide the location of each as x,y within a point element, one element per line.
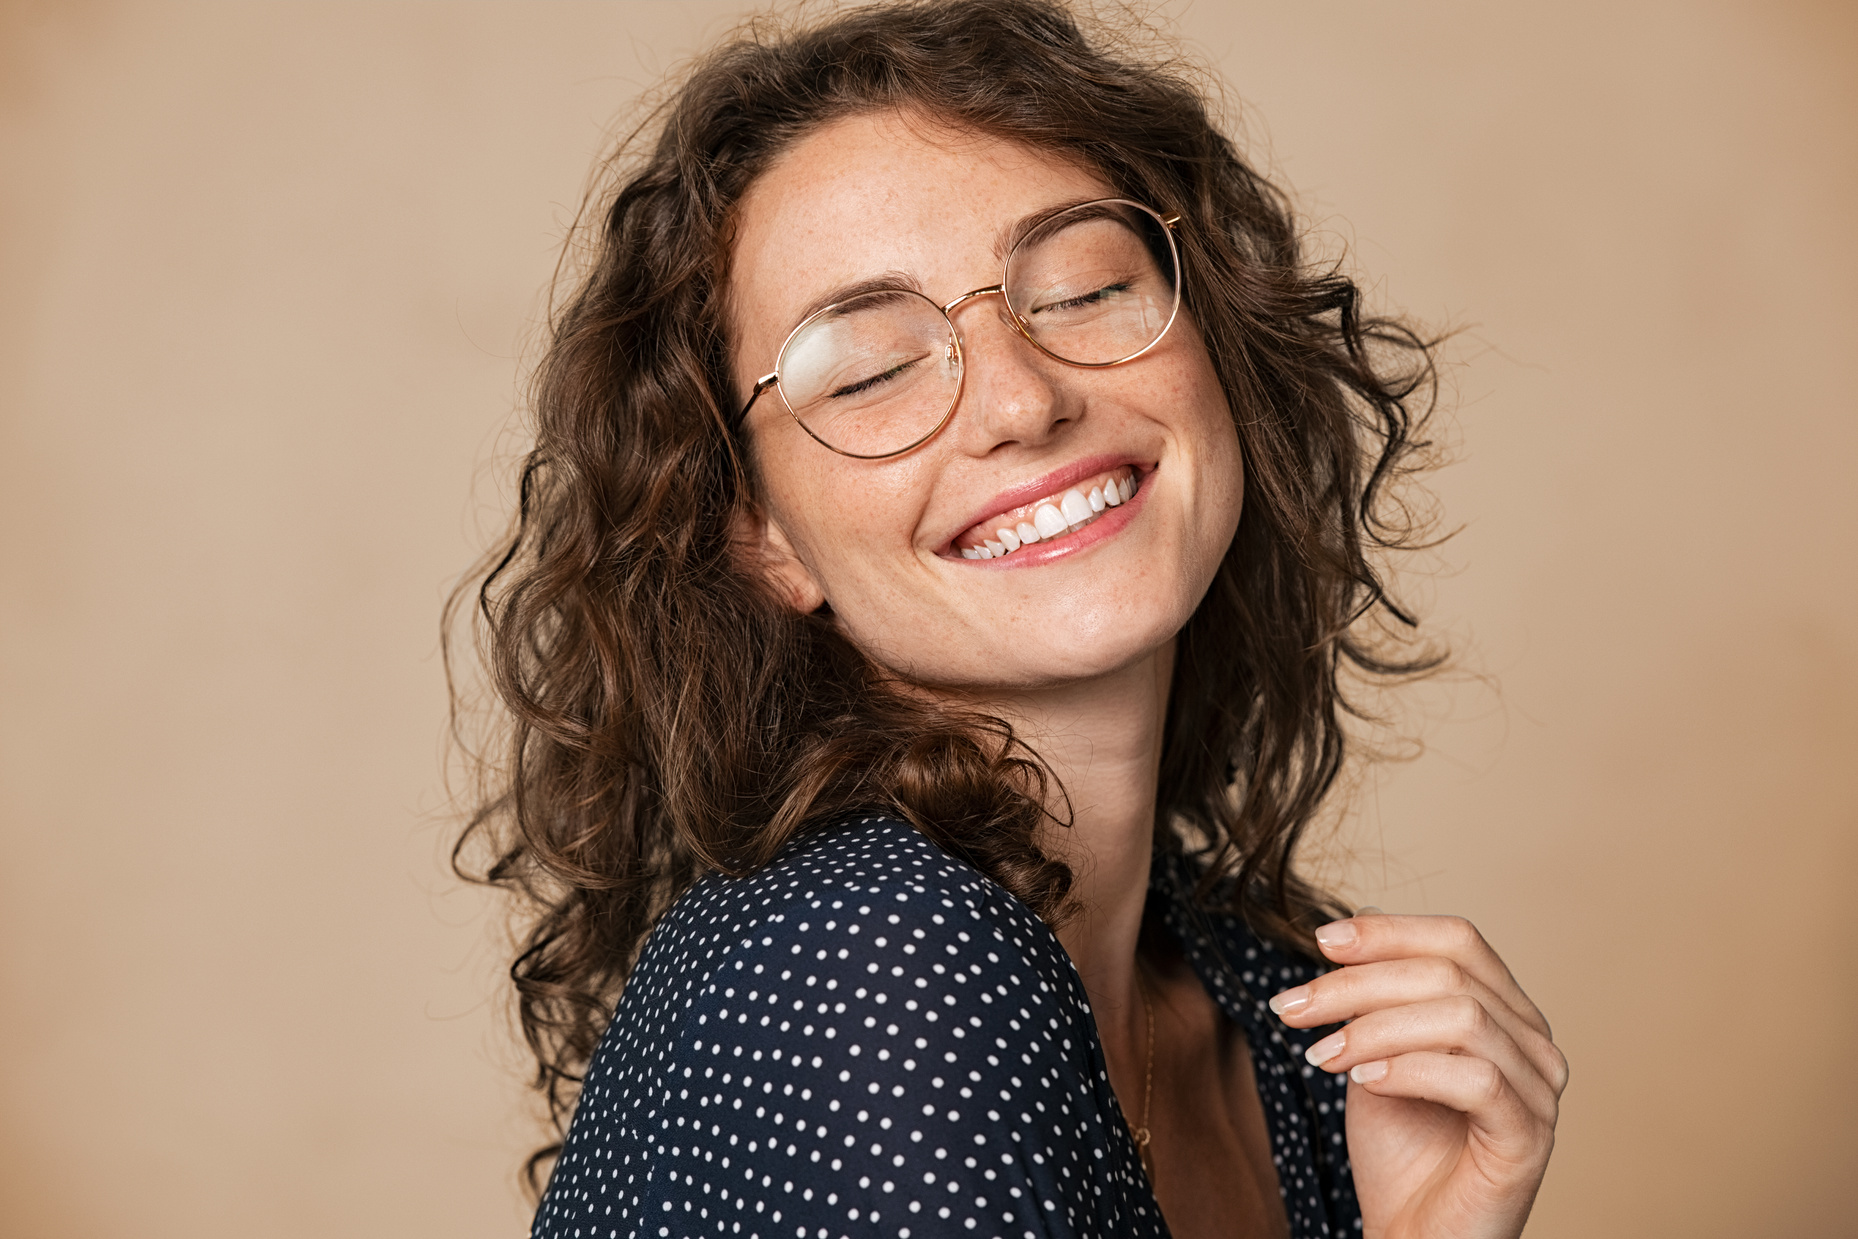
<point>901,1063</point>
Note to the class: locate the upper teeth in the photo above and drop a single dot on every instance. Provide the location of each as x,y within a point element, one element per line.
<point>1072,510</point>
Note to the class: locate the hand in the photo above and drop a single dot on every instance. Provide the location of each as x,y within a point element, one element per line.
<point>1454,1078</point>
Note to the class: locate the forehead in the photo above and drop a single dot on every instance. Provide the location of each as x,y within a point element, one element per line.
<point>887,194</point>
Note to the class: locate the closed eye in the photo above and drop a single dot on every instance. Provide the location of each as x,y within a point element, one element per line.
<point>864,385</point>
<point>1087,299</point>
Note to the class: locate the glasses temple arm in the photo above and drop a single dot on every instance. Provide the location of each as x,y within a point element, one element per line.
<point>761,384</point>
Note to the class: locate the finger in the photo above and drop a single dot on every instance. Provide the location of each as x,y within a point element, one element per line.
<point>1351,992</point>
<point>1474,1087</point>
<point>1458,1025</point>
<point>1364,939</point>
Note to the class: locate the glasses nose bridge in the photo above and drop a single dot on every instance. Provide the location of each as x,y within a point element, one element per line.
<point>989,291</point>
<point>992,290</point>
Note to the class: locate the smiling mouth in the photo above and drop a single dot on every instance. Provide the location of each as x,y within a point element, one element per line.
<point>1051,517</point>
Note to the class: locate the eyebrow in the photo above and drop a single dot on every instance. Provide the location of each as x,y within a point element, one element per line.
<point>1015,232</point>
<point>891,281</point>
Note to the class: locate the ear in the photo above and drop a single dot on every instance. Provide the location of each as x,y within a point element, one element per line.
<point>767,553</point>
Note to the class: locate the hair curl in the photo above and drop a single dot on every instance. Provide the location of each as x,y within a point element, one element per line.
<point>666,718</point>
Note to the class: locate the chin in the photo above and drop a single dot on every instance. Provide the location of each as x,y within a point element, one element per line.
<point>1050,660</point>
<point>1095,661</point>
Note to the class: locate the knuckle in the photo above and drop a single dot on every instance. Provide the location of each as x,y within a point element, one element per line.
<point>1449,977</point>
<point>1463,933</point>
<point>1489,1081</point>
<point>1467,1014</point>
<point>1534,1139</point>
<point>1559,1077</point>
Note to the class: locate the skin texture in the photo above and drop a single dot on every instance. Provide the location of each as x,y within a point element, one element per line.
<point>1077,652</point>
<point>871,196</point>
<point>1455,1081</point>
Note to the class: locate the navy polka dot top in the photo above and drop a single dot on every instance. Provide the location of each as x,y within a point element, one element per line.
<point>869,1038</point>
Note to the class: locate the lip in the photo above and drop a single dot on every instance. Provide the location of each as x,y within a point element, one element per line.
<point>1108,524</point>
<point>1056,481</point>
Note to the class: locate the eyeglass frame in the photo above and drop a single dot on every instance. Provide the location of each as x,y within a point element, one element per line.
<point>772,378</point>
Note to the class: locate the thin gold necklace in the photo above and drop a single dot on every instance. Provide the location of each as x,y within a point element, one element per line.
<point>1142,1135</point>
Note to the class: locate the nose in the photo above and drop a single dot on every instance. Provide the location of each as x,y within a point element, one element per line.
<point>1010,392</point>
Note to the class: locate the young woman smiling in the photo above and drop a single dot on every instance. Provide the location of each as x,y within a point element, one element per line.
<point>947,526</point>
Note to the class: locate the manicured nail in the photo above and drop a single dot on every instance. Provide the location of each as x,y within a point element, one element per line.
<point>1291,1000</point>
<point>1337,934</point>
<point>1326,1049</point>
<point>1368,1073</point>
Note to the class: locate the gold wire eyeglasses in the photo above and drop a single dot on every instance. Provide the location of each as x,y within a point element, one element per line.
<point>878,373</point>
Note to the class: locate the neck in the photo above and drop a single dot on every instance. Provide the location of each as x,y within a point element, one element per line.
<point>1102,739</point>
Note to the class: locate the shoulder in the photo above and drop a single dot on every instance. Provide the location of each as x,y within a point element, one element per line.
<point>867,940</point>
<point>866,1028</point>
<point>867,898</point>
<point>864,932</point>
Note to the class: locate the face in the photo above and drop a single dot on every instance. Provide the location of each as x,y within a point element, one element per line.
<point>878,197</point>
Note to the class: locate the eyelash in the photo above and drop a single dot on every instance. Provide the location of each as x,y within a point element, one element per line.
<point>863,385</point>
<point>1086,299</point>
<point>852,389</point>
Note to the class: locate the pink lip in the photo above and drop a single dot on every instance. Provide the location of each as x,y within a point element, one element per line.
<point>1107,525</point>
<point>1052,483</point>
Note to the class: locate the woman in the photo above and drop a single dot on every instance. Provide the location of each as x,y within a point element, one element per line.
<point>946,531</point>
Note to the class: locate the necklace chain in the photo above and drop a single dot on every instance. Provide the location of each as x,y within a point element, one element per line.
<point>1142,1135</point>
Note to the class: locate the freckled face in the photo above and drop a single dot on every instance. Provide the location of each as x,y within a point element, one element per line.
<point>880,540</point>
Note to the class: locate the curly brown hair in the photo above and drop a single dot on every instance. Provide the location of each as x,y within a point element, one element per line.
<point>666,718</point>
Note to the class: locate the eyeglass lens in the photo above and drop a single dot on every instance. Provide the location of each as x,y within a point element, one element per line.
<point>877,373</point>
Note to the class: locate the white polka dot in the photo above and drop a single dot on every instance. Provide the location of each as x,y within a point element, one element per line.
<point>990,1001</point>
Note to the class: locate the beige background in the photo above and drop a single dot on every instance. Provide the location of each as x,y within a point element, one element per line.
<point>267,273</point>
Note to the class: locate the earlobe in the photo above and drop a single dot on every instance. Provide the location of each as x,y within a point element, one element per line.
<point>768,554</point>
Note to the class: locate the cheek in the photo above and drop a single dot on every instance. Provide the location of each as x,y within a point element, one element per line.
<point>1213,461</point>
<point>1227,484</point>
<point>843,528</point>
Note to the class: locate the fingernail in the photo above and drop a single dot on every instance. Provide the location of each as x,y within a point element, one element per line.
<point>1291,999</point>
<point>1368,1073</point>
<point>1368,910</point>
<point>1326,1049</point>
<point>1337,934</point>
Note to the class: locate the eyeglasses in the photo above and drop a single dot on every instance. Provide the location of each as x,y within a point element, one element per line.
<point>879,373</point>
